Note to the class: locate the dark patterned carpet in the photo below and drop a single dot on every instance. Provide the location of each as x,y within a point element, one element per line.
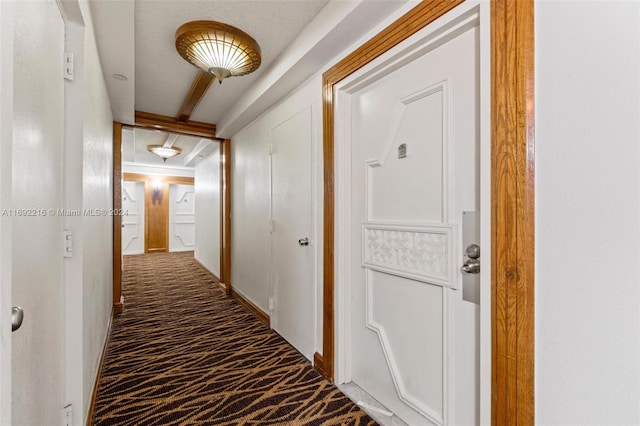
<point>184,353</point>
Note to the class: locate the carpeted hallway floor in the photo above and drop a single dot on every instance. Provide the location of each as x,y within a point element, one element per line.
<point>184,353</point>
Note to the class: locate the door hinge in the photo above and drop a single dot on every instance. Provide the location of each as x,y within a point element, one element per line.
<point>270,148</point>
<point>271,226</point>
<point>271,303</point>
<point>68,66</point>
<point>67,243</point>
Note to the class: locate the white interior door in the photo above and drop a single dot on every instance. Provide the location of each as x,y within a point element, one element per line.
<point>292,315</point>
<point>133,221</point>
<point>37,193</point>
<point>182,214</point>
<point>6,138</point>
<point>414,135</point>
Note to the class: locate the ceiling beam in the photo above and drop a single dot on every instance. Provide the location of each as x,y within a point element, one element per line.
<point>170,140</point>
<point>201,150</point>
<point>196,93</point>
<point>147,120</point>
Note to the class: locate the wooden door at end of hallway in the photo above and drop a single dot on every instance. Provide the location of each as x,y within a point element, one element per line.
<point>156,216</point>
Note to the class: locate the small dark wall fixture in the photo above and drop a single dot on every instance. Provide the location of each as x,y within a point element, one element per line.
<point>156,194</point>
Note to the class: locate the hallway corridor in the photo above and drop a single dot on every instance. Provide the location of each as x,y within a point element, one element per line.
<point>183,352</point>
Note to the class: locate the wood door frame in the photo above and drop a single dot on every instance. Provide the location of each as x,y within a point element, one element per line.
<point>225,215</point>
<point>118,299</point>
<point>512,195</point>
<point>196,129</point>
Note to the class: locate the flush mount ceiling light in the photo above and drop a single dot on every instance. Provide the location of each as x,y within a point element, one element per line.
<point>164,152</point>
<point>218,48</point>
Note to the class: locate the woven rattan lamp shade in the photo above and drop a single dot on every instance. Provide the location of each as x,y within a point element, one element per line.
<point>218,48</point>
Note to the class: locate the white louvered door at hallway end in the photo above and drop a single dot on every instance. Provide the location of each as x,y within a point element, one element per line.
<point>414,169</point>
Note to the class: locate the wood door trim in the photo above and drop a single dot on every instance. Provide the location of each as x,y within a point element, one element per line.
<point>142,177</point>
<point>199,88</point>
<point>118,300</point>
<point>225,214</point>
<point>147,120</point>
<point>512,183</point>
<point>512,216</point>
<point>404,27</point>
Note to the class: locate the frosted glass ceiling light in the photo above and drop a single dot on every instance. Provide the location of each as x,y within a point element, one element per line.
<point>218,48</point>
<point>163,151</point>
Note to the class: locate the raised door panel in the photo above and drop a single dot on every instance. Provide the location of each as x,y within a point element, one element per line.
<point>182,218</point>
<point>413,172</point>
<point>133,220</point>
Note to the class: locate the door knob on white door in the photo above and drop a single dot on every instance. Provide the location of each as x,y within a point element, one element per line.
<point>303,241</point>
<point>473,251</point>
<point>472,264</point>
<point>17,315</point>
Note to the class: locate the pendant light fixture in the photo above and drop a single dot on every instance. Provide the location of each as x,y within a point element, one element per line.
<point>218,48</point>
<point>164,152</point>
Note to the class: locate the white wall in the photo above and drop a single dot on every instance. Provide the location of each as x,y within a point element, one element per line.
<point>97,190</point>
<point>587,212</point>
<point>250,214</point>
<point>88,185</point>
<point>73,194</point>
<point>207,190</point>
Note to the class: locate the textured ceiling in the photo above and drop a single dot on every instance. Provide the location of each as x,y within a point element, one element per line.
<point>163,78</point>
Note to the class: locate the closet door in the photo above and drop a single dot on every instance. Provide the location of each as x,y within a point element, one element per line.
<point>292,304</point>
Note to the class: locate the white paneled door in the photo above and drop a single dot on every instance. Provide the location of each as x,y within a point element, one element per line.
<point>292,315</point>
<point>182,222</point>
<point>414,170</point>
<point>133,221</point>
<point>34,243</point>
